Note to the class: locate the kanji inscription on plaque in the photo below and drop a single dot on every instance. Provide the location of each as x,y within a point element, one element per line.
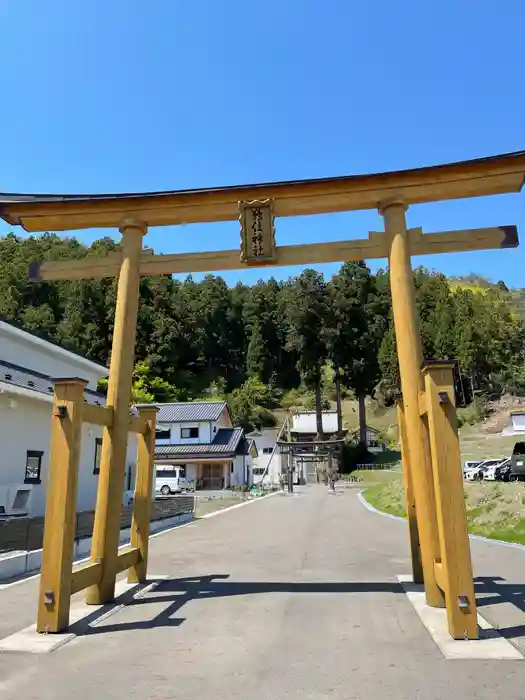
<point>257,232</point>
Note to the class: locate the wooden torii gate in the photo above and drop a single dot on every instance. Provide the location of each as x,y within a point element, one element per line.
<point>430,447</point>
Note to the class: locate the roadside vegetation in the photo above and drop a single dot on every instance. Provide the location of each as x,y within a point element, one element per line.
<point>495,510</point>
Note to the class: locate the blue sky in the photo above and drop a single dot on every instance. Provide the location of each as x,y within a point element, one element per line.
<point>123,96</point>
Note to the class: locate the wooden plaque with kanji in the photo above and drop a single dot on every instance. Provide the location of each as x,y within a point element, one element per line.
<point>257,232</point>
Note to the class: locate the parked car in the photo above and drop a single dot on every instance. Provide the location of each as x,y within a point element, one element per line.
<point>490,469</point>
<point>482,469</point>
<point>471,464</point>
<point>471,473</point>
<point>518,462</point>
<point>169,479</point>
<point>504,471</point>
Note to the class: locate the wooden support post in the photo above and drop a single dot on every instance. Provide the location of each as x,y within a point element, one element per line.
<point>455,566</point>
<point>113,457</point>
<point>410,504</point>
<point>61,505</point>
<point>409,352</point>
<point>143,494</point>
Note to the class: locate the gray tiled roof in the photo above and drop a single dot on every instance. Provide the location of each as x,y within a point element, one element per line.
<point>38,382</point>
<point>188,412</point>
<point>225,444</point>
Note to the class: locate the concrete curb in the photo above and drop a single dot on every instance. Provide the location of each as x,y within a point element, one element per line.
<point>18,564</point>
<point>478,538</point>
<point>238,505</point>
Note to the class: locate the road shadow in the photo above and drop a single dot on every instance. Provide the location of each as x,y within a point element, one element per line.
<point>493,591</point>
<point>175,593</point>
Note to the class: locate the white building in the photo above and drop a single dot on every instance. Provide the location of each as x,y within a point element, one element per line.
<point>304,424</point>
<point>303,430</point>
<point>27,366</point>
<point>517,426</point>
<point>267,464</point>
<point>200,437</point>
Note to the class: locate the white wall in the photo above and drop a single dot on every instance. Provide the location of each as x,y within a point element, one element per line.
<point>205,433</point>
<point>305,422</point>
<point>267,440</point>
<point>518,422</point>
<point>25,350</point>
<point>249,469</point>
<point>25,425</point>
<point>238,470</point>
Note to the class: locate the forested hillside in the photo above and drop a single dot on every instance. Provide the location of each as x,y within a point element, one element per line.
<point>203,338</point>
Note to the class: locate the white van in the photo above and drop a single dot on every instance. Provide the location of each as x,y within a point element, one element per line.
<point>169,479</point>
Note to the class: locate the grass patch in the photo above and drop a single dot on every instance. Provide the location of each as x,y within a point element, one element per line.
<point>376,416</point>
<point>374,476</point>
<point>475,446</point>
<point>387,496</point>
<point>494,510</point>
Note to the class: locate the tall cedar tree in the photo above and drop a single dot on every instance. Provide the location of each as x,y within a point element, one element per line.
<point>355,331</point>
<point>308,311</point>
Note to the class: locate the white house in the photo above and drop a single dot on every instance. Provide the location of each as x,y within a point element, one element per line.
<point>267,464</point>
<point>27,366</point>
<point>200,437</point>
<point>303,429</point>
<point>304,424</point>
<point>517,426</point>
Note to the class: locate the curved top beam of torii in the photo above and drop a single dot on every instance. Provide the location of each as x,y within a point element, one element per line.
<point>473,178</point>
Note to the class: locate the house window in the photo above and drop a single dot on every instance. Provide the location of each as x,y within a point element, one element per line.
<point>267,450</point>
<point>33,466</point>
<point>98,452</point>
<point>163,434</point>
<point>186,433</point>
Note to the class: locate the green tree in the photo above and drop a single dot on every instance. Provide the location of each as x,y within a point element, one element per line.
<point>146,387</point>
<point>248,405</point>
<point>355,332</point>
<point>307,313</point>
<point>389,384</point>
<point>256,353</point>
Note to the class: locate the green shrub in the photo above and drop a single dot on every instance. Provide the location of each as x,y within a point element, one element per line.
<point>473,413</point>
<point>292,398</point>
<point>265,418</point>
<point>354,455</point>
<point>309,402</point>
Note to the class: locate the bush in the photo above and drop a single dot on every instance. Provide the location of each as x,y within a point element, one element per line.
<point>265,418</point>
<point>474,413</point>
<point>354,455</point>
<point>292,398</point>
<point>309,402</point>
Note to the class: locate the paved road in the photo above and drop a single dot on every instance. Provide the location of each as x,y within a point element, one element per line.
<point>291,597</point>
